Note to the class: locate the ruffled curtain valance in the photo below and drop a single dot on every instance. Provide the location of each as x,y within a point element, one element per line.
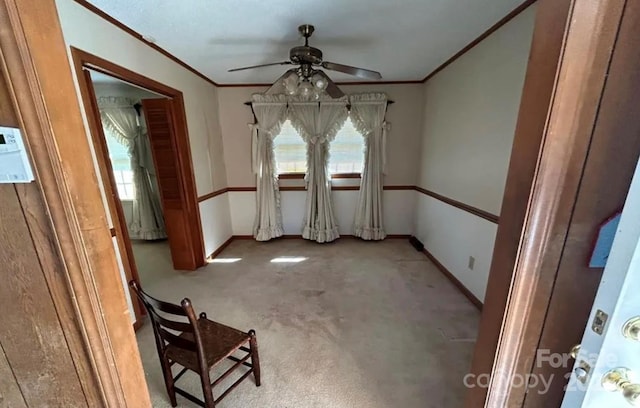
<point>120,117</point>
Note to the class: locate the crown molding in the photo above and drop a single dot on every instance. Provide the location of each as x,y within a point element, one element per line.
<point>515,12</point>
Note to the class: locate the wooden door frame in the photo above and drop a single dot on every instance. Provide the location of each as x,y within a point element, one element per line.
<point>35,61</point>
<point>539,200</point>
<point>82,61</point>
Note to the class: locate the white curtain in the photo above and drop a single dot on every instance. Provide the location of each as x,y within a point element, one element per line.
<point>120,117</point>
<point>367,114</point>
<point>318,123</point>
<point>270,112</point>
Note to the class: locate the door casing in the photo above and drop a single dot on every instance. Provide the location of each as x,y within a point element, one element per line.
<point>180,141</point>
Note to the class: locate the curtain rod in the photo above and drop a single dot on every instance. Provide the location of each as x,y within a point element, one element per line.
<point>389,102</point>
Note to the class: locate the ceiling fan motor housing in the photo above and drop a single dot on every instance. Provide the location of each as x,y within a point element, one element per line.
<point>305,55</point>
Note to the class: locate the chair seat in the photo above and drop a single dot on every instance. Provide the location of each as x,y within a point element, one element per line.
<point>219,342</point>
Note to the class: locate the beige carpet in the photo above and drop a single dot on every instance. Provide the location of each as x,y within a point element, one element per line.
<point>353,324</point>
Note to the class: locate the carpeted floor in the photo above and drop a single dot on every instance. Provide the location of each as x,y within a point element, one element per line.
<point>351,324</point>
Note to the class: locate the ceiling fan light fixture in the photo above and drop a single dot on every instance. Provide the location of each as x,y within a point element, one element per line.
<point>305,89</point>
<point>319,82</point>
<point>290,84</point>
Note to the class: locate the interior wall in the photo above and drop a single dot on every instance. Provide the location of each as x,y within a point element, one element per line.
<point>470,115</point>
<point>89,32</point>
<point>403,153</point>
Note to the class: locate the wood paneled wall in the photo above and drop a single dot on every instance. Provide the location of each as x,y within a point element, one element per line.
<point>41,357</point>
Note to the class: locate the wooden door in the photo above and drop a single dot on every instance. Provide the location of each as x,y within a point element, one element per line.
<point>179,207</point>
<point>119,228</point>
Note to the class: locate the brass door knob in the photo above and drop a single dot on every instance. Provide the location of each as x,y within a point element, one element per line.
<point>574,351</point>
<point>619,379</point>
<point>631,329</point>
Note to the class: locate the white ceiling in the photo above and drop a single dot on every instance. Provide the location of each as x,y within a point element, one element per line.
<point>403,39</point>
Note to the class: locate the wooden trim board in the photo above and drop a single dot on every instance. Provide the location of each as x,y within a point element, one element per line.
<point>460,205</point>
<point>291,176</point>
<point>472,298</point>
<point>220,249</point>
<point>302,188</point>
<point>212,194</point>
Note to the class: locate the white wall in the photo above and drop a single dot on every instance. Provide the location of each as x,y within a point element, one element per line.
<point>89,32</point>
<point>403,152</point>
<point>470,114</point>
<point>399,211</point>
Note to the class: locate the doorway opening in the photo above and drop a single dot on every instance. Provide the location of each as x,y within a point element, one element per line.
<point>134,172</point>
<point>140,140</point>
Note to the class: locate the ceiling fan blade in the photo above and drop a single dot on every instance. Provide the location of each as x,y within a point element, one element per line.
<point>359,72</point>
<point>332,89</point>
<point>261,65</point>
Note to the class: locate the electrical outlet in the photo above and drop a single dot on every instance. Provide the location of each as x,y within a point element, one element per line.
<point>472,262</point>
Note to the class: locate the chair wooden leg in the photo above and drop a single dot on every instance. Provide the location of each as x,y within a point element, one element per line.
<point>255,359</point>
<point>207,389</point>
<point>168,382</point>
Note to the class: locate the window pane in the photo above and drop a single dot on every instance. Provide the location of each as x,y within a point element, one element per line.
<point>127,176</point>
<point>121,164</point>
<point>124,184</point>
<point>347,150</point>
<point>290,150</point>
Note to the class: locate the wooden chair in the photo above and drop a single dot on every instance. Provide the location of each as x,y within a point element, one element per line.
<point>197,345</point>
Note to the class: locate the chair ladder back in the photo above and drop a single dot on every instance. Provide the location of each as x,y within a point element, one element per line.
<point>162,325</point>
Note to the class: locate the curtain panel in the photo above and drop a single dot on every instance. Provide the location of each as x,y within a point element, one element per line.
<point>318,122</point>
<point>367,114</point>
<point>120,117</point>
<point>270,112</point>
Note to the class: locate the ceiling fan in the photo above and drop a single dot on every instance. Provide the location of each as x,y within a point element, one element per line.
<point>309,79</point>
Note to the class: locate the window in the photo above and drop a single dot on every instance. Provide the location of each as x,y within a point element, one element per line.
<point>290,150</point>
<point>121,164</point>
<point>346,152</point>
